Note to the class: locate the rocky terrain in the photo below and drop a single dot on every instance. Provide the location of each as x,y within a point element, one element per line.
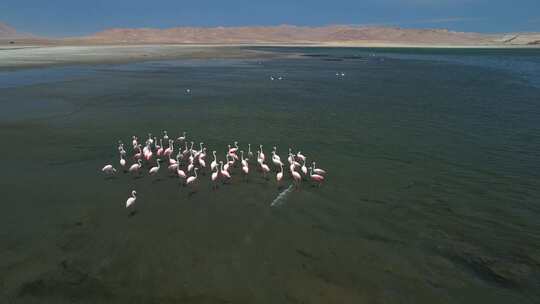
<point>284,34</point>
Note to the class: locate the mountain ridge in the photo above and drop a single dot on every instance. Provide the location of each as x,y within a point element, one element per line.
<point>284,34</point>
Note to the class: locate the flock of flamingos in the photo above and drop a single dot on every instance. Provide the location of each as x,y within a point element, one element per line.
<point>185,163</point>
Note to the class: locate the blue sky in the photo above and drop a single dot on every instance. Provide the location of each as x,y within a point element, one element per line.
<point>74,17</point>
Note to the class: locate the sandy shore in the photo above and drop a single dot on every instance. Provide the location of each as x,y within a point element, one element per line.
<point>35,56</point>
<point>18,56</point>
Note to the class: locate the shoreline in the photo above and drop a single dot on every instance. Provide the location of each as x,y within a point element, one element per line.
<point>39,55</point>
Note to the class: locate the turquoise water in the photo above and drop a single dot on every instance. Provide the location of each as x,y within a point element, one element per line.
<point>432,194</point>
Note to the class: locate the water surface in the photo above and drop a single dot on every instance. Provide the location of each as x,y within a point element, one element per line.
<point>432,194</point>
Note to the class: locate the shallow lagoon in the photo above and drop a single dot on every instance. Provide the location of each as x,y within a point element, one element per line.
<point>432,193</point>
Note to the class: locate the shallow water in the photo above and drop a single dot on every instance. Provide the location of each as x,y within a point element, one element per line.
<point>432,194</point>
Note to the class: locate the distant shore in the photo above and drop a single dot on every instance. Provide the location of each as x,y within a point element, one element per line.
<point>35,55</point>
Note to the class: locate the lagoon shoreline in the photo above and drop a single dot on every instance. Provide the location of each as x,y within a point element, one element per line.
<point>40,55</point>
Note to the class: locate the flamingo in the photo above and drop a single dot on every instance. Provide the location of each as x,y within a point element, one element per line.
<point>224,171</point>
<point>136,167</point>
<point>279,175</point>
<point>275,155</point>
<point>317,170</point>
<point>297,178</point>
<point>122,161</point>
<point>259,159</point>
<point>215,175</point>
<point>276,159</point>
<point>203,153</point>
<point>261,155</point>
<point>138,155</point>
<point>181,173</point>
<point>108,169</point>
<point>130,201</point>
<point>159,152</point>
<point>148,154</point>
<point>265,169</point>
<point>202,163</point>
<point>245,166</point>
<point>198,152</point>
<point>304,168</point>
<point>190,180</point>
<point>154,170</point>
<point>213,165</point>
<point>165,136</point>
<point>183,137</point>
<point>229,163</point>
<point>244,162</point>
<point>150,140</point>
<point>191,156</point>
<point>300,156</point>
<point>233,156</point>
<point>172,161</point>
<point>290,159</point>
<point>169,149</point>
<point>233,150</point>
<point>122,150</point>
<point>173,167</point>
<point>319,179</point>
<point>250,154</point>
<point>134,141</point>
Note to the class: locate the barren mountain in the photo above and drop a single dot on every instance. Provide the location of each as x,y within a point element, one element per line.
<point>7,32</point>
<point>286,34</point>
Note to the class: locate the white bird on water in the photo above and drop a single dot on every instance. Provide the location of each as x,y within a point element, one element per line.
<point>132,199</point>
<point>108,169</point>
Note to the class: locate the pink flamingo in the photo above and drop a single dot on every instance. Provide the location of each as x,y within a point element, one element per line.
<point>304,168</point>
<point>276,159</point>
<point>215,175</point>
<point>224,172</point>
<point>301,156</point>
<point>159,152</point>
<point>148,154</point>
<point>265,169</point>
<point>213,165</point>
<point>319,179</point>
<point>297,178</point>
<point>138,155</point>
<point>244,161</point>
<point>250,154</point>
<point>317,170</point>
<point>136,167</point>
<point>191,180</point>
<point>169,149</point>
<point>154,170</point>
<point>134,142</point>
<point>181,174</point>
<point>172,161</point>
<point>261,155</point>
<point>198,152</point>
<point>233,150</point>
<point>279,175</point>
<point>203,153</point>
